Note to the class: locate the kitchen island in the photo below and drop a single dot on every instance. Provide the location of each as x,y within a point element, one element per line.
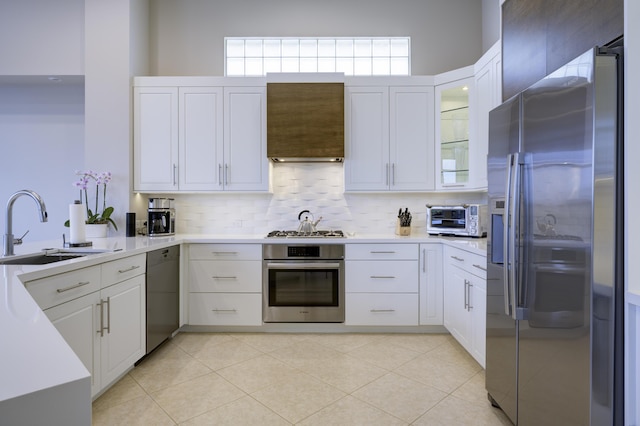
<point>37,362</point>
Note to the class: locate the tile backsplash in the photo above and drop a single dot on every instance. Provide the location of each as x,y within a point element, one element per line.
<point>317,187</point>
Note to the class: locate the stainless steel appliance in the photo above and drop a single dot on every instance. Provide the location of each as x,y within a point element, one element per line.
<point>303,283</point>
<point>163,283</point>
<point>162,217</point>
<point>554,264</point>
<point>467,220</point>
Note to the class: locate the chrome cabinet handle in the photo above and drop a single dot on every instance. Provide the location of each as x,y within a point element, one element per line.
<point>220,174</point>
<point>457,258</point>
<point>71,287</point>
<point>224,253</point>
<point>382,310</point>
<point>101,330</point>
<point>174,174</point>
<point>424,260</point>
<point>132,268</point>
<point>387,174</point>
<point>479,267</point>
<point>108,315</point>
<point>226,174</point>
<point>216,277</point>
<point>393,174</point>
<point>466,295</point>
<point>224,310</point>
<point>388,277</point>
<point>382,252</point>
<point>469,305</point>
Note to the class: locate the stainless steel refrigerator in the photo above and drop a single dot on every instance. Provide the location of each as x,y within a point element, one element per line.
<point>554,262</point>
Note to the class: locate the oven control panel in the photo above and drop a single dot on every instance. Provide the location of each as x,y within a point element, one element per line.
<point>303,251</point>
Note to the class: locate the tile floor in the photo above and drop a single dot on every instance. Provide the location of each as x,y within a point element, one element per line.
<point>302,379</point>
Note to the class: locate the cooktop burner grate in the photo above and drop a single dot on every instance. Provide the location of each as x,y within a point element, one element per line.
<point>296,234</point>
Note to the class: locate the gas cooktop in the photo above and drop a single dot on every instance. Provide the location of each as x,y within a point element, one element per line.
<point>297,234</point>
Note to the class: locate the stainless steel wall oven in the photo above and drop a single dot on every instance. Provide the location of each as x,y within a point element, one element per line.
<point>303,283</point>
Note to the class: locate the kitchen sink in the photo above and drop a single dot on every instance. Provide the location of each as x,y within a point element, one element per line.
<point>46,257</point>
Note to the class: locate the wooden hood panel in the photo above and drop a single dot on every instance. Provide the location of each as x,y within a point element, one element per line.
<point>305,120</point>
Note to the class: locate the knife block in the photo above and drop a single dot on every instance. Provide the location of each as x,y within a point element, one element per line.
<point>402,230</point>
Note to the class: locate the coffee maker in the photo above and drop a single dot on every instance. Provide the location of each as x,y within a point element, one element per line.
<point>162,217</point>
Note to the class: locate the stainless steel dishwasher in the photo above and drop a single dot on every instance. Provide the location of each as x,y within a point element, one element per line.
<point>163,282</point>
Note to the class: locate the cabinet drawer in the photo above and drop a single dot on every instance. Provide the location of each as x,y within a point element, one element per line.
<point>470,262</point>
<point>225,276</point>
<point>381,252</point>
<point>52,291</point>
<point>225,252</point>
<point>225,309</point>
<point>122,269</point>
<point>381,309</point>
<point>392,276</point>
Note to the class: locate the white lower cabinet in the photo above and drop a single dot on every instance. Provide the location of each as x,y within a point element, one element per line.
<point>78,322</point>
<point>225,284</point>
<point>381,284</point>
<point>431,285</point>
<point>104,322</point>
<point>465,295</point>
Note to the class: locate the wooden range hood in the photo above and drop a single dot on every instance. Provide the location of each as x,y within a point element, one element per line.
<point>305,122</point>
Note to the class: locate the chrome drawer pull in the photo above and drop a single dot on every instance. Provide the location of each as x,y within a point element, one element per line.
<point>382,252</point>
<point>480,267</point>
<point>457,258</point>
<point>382,277</point>
<point>224,278</point>
<point>133,268</point>
<point>223,253</point>
<point>71,287</point>
<point>382,310</point>
<point>224,310</point>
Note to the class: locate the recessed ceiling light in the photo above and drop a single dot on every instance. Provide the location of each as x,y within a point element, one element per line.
<point>54,79</point>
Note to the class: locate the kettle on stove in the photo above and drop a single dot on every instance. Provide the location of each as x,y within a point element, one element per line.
<point>307,226</point>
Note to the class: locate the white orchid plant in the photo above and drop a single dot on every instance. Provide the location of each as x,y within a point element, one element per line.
<point>88,178</point>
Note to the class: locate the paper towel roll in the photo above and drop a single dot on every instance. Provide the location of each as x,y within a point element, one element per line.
<point>76,223</point>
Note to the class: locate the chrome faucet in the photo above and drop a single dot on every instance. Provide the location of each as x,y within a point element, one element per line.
<point>9,241</point>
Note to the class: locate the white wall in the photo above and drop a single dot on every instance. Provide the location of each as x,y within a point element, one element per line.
<point>42,144</point>
<point>187,35</point>
<point>42,37</point>
<point>491,23</point>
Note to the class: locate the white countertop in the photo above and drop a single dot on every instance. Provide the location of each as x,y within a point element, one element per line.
<point>34,356</point>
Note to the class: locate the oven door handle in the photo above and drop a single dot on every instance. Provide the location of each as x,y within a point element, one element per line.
<point>301,265</point>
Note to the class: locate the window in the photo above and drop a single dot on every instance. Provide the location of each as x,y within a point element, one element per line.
<point>352,56</point>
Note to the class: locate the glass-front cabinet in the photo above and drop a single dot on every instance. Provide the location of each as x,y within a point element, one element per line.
<point>454,134</point>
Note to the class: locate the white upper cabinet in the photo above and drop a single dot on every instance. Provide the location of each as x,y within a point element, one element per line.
<point>155,131</point>
<point>411,138</point>
<point>190,135</point>
<point>389,138</point>
<point>245,166</point>
<point>488,84</point>
<point>454,129</point>
<point>200,138</point>
<point>366,138</point>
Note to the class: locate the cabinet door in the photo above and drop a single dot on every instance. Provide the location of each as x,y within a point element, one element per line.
<point>124,341</point>
<point>245,166</point>
<point>456,315</point>
<point>77,322</point>
<point>478,310</point>
<point>411,149</point>
<point>201,138</point>
<point>155,138</point>
<point>488,96</point>
<point>431,285</point>
<point>454,133</point>
<point>367,165</point>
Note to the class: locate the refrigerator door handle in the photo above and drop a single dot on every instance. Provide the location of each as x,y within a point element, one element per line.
<point>506,243</point>
<point>512,211</point>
